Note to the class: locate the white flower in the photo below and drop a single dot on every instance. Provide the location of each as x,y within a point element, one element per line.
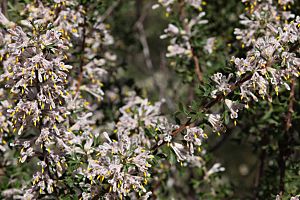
<point>234,108</point>
<point>210,43</point>
<point>215,121</point>
<point>223,84</point>
<point>214,169</point>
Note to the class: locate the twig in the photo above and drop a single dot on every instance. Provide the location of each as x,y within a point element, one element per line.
<point>141,14</point>
<point>194,56</point>
<point>142,37</point>
<point>260,172</point>
<point>284,143</point>
<point>233,87</point>
<point>288,124</point>
<point>174,133</point>
<point>197,67</point>
<point>109,11</point>
<point>4,7</point>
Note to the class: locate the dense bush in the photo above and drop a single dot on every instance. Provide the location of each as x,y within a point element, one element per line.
<point>133,99</point>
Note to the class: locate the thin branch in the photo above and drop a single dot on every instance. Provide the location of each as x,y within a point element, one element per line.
<point>197,67</point>
<point>288,124</point>
<point>4,7</point>
<point>283,144</point>
<point>141,13</point>
<point>109,11</point>
<point>233,87</point>
<point>174,133</point>
<point>194,56</point>
<point>142,36</point>
<point>260,172</point>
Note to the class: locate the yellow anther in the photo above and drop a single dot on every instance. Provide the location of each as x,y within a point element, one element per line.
<point>247,106</point>
<point>276,90</point>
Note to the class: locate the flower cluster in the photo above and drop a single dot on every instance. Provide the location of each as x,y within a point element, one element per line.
<point>167,4</point>
<point>120,167</point>
<point>260,17</point>
<point>268,66</point>
<point>180,36</point>
<point>36,75</point>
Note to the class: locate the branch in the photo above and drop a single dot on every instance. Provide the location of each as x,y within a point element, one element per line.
<point>288,124</point>
<point>284,143</point>
<point>4,7</point>
<point>174,133</point>
<point>197,67</point>
<point>233,87</point>
<point>142,35</point>
<point>260,172</point>
<point>109,11</point>
<point>194,56</point>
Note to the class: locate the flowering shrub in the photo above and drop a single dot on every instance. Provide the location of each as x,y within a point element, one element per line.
<point>79,121</point>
